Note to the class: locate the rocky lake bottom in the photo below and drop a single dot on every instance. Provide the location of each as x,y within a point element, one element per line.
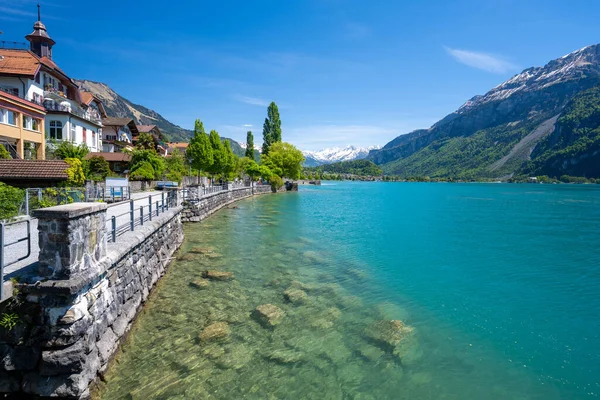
<point>262,304</point>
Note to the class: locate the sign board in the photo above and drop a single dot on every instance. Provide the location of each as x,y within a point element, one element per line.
<point>114,185</point>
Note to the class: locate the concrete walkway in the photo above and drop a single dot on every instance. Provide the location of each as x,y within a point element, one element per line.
<point>19,230</point>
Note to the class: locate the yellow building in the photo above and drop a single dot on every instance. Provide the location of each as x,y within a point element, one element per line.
<point>22,129</point>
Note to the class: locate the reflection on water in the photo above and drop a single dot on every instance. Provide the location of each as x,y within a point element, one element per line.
<point>334,329</point>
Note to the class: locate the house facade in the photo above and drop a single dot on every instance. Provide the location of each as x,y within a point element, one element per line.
<point>118,134</point>
<point>33,76</point>
<point>22,127</point>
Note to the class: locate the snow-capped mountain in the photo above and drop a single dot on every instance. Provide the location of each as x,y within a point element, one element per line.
<point>335,154</point>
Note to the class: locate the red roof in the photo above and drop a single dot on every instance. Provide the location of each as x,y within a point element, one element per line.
<point>18,62</point>
<point>33,169</point>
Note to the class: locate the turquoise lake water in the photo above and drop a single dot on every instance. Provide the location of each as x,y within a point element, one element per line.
<point>501,284</point>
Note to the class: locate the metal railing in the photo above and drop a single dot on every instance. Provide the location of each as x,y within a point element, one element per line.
<point>4,244</point>
<point>137,214</point>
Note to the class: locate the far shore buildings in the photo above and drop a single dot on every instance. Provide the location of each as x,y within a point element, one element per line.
<point>50,104</point>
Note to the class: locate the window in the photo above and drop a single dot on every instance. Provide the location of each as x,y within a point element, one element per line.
<point>56,131</point>
<point>11,118</point>
<point>84,136</point>
<point>37,78</point>
<point>27,122</point>
<point>93,138</point>
<point>73,132</point>
<point>35,124</point>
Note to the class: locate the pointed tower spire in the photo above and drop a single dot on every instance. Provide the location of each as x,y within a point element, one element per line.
<point>40,42</point>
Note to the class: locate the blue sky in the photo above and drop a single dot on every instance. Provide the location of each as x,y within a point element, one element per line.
<point>342,71</point>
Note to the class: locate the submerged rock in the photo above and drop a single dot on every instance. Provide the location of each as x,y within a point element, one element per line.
<point>199,283</point>
<point>295,296</point>
<point>388,334</point>
<point>213,351</point>
<point>269,315</point>
<point>408,352</point>
<point>216,331</point>
<point>218,275</point>
<point>235,357</point>
<point>201,250</point>
<point>186,257</point>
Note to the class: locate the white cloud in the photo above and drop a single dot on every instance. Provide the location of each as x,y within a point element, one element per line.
<point>248,125</point>
<point>255,101</point>
<point>317,137</point>
<point>483,61</point>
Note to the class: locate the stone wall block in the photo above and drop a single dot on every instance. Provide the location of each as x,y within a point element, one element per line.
<point>67,360</point>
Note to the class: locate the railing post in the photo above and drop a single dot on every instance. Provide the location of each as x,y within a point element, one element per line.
<point>1,260</point>
<point>150,208</point>
<point>163,201</point>
<point>141,215</point>
<point>114,229</point>
<point>112,190</point>
<point>157,208</point>
<point>131,216</point>
<point>26,201</point>
<point>122,193</point>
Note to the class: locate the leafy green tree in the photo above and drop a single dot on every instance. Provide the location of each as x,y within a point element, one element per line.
<point>146,141</point>
<point>250,145</point>
<point>75,172</point>
<point>146,165</point>
<point>284,160</point>
<point>219,154</point>
<point>67,149</point>
<point>175,166</point>
<point>10,198</point>
<point>5,155</point>
<point>229,159</point>
<point>98,168</point>
<point>200,151</point>
<point>271,128</point>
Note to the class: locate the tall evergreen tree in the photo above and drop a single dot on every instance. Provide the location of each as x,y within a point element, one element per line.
<point>199,150</point>
<point>229,159</point>
<point>271,128</point>
<point>250,145</point>
<point>274,122</point>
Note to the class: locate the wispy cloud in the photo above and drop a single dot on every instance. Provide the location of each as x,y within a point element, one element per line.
<point>255,101</point>
<point>317,137</point>
<point>484,61</point>
<point>248,125</point>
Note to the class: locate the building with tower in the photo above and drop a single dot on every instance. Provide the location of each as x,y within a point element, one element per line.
<point>35,79</point>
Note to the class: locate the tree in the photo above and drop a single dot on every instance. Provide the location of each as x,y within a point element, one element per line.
<point>200,151</point>
<point>146,165</point>
<point>67,149</point>
<point>284,160</point>
<point>4,154</point>
<point>229,159</point>
<point>250,145</point>
<point>146,141</point>
<point>175,166</point>
<point>98,168</point>
<point>271,128</point>
<point>218,151</point>
<point>75,172</point>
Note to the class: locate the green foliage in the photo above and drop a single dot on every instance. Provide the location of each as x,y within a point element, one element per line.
<point>256,171</point>
<point>271,128</point>
<point>4,154</point>
<point>275,181</point>
<point>250,145</point>
<point>11,199</point>
<point>146,165</point>
<point>75,172</point>
<point>229,159</point>
<point>355,167</point>
<point>66,149</point>
<point>98,168</point>
<point>9,320</point>
<point>175,166</point>
<point>145,141</point>
<point>219,155</point>
<point>200,150</point>
<point>284,160</point>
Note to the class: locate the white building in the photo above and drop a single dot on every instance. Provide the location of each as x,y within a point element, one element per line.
<point>118,134</point>
<point>32,75</point>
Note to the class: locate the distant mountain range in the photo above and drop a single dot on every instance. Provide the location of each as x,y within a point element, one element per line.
<point>543,121</point>
<point>118,106</point>
<point>335,154</point>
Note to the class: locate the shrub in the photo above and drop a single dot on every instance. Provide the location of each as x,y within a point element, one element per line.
<point>11,199</point>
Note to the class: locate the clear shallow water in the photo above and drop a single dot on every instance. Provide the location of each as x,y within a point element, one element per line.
<point>500,282</point>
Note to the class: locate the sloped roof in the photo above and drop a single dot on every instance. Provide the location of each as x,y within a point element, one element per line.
<point>123,157</point>
<point>146,128</point>
<point>86,97</point>
<point>33,169</point>
<point>18,62</point>
<point>116,121</point>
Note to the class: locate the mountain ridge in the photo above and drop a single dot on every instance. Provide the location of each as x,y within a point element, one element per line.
<point>335,154</point>
<point>470,142</point>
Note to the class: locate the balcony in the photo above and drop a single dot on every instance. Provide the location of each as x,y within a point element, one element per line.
<point>56,102</point>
